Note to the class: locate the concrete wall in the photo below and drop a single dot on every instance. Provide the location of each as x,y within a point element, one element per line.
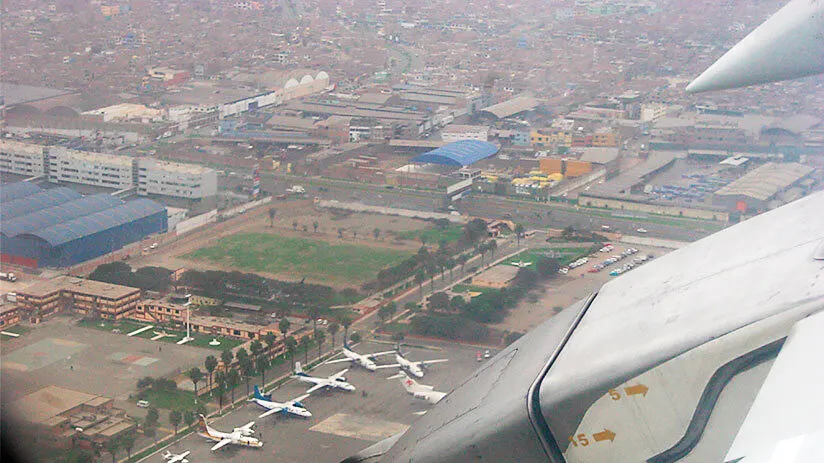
<point>195,222</point>
<point>660,209</point>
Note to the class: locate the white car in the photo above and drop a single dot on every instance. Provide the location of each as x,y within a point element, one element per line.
<point>641,230</point>
<point>143,403</point>
<point>563,270</point>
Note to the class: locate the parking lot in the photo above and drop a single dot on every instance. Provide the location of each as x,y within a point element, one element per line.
<point>342,422</point>
<point>568,288</point>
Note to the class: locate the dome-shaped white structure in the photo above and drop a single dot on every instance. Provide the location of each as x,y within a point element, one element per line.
<point>322,75</point>
<point>307,79</point>
<point>291,83</point>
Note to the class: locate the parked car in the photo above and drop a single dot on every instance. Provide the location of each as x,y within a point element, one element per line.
<point>143,403</point>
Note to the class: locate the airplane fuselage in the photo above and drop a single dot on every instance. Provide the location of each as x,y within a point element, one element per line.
<point>286,408</point>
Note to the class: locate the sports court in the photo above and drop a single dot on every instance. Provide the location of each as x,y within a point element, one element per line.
<point>42,353</point>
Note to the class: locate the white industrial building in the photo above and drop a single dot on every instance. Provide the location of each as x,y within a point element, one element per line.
<point>153,177</point>
<point>98,169</point>
<point>22,158</point>
<point>173,179</point>
<point>454,132</point>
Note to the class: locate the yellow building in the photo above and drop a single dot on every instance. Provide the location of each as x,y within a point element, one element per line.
<point>550,137</point>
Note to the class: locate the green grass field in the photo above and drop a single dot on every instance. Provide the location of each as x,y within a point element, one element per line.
<point>299,257</point>
<point>127,326</point>
<point>567,255</point>
<point>171,400</point>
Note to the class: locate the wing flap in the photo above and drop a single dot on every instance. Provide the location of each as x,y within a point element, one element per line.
<point>787,410</point>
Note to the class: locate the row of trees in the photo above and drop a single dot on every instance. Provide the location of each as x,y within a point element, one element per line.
<point>447,256</point>
<point>146,278</point>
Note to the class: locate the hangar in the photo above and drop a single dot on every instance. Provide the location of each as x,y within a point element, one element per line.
<point>60,228</point>
<point>458,154</point>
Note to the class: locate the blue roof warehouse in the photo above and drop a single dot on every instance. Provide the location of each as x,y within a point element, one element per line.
<point>59,228</point>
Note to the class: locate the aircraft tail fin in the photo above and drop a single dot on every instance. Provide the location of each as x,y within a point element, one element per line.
<point>299,369</point>
<point>408,383</point>
<point>204,427</point>
<point>258,393</point>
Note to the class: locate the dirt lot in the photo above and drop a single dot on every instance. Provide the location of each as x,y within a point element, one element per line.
<point>565,290</point>
<point>169,254</point>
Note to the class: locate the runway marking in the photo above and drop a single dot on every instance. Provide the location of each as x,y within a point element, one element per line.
<point>359,427</point>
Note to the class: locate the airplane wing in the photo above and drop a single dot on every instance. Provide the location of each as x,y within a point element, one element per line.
<point>423,363</point>
<point>718,343</point>
<point>222,443</point>
<point>378,354</point>
<point>271,411</point>
<point>298,399</point>
<point>393,365</point>
<point>339,374</point>
<point>247,426</point>
<point>345,359</point>
<point>315,388</point>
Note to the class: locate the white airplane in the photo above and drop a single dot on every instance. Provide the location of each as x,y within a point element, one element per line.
<point>521,264</point>
<point>335,381</point>
<point>414,368</point>
<point>419,391</point>
<point>176,458</point>
<point>366,361</point>
<point>293,406</point>
<point>238,436</point>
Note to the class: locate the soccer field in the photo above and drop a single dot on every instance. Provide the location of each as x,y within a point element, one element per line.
<point>299,257</point>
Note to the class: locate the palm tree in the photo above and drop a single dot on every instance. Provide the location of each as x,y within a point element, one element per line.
<point>462,259</point>
<point>450,263</point>
<point>354,234</point>
<point>419,279</point>
<point>196,376</point>
<point>284,325</point>
<point>261,363</point>
<point>272,212</point>
<point>315,225</point>
<point>340,233</point>
<point>270,339</point>
<point>333,330</point>
<point>113,446</point>
<point>241,355</point>
<point>519,232</point>
<point>211,364</point>
<point>128,443</point>
<point>304,343</point>
<point>493,245</point>
<point>248,369</point>
<point>233,380</point>
<point>175,417</point>
<point>291,344</point>
<point>320,336</point>
<point>314,312</point>
<point>295,225</point>
<point>226,357</point>
<point>256,347</point>
<point>346,321</point>
<point>220,381</point>
<point>376,233</point>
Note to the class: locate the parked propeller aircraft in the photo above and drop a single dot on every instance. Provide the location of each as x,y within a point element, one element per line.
<point>419,391</point>
<point>293,406</point>
<point>414,368</point>
<point>176,458</point>
<point>238,436</point>
<point>336,381</point>
<point>366,361</point>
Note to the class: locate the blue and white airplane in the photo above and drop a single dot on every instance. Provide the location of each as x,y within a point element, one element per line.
<point>293,407</point>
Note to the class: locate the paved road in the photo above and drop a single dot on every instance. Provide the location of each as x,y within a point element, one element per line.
<point>532,214</point>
